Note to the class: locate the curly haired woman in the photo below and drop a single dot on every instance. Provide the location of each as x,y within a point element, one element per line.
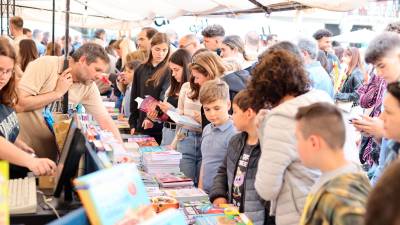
<point>281,84</point>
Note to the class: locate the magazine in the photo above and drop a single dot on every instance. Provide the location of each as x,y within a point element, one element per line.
<point>183,120</point>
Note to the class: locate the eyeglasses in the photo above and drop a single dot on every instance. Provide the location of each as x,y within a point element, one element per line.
<point>185,46</point>
<point>6,72</point>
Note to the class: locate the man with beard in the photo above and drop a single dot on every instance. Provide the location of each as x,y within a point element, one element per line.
<point>43,85</point>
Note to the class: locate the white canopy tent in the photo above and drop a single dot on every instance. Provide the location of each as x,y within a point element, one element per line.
<point>127,14</point>
<point>358,36</point>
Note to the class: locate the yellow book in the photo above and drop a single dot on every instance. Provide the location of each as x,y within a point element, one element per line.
<point>4,209</point>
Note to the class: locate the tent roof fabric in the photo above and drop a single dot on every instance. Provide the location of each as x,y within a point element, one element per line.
<point>126,14</point>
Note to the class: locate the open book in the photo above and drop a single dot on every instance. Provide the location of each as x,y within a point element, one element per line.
<point>183,120</point>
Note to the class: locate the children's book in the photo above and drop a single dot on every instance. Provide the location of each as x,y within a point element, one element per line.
<point>111,196</point>
<point>167,217</point>
<point>168,180</point>
<point>211,219</point>
<point>183,120</point>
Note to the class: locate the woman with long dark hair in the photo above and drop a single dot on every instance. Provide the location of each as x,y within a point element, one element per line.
<point>151,78</point>
<point>27,53</point>
<point>11,148</point>
<point>179,65</point>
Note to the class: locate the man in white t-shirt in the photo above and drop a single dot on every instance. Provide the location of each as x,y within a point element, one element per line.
<point>44,84</point>
<point>16,30</point>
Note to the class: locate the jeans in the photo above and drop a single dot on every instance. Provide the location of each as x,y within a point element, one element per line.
<point>168,136</point>
<point>189,143</point>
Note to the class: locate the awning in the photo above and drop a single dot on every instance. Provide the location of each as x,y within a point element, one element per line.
<point>127,14</point>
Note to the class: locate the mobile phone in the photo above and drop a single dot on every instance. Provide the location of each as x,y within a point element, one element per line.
<point>355,117</point>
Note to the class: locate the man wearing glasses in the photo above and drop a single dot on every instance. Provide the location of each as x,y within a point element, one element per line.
<point>190,43</point>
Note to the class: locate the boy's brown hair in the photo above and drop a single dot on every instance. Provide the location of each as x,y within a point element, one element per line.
<point>214,90</point>
<point>17,22</point>
<point>324,120</point>
<point>243,100</point>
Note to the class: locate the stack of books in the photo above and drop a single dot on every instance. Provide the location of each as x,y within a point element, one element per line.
<point>173,180</point>
<point>164,161</point>
<point>151,185</point>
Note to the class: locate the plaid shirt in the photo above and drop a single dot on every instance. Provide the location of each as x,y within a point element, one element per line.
<point>340,201</point>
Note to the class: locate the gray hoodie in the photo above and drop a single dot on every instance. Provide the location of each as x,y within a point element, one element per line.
<point>281,177</point>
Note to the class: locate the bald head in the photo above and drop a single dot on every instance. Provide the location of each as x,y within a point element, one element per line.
<point>252,39</point>
<point>190,43</point>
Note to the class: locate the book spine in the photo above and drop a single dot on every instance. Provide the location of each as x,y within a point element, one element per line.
<point>90,209</point>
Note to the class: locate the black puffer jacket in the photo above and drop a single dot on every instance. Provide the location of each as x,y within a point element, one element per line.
<point>236,81</point>
<point>254,207</point>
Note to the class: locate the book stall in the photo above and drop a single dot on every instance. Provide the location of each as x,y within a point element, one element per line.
<point>141,182</point>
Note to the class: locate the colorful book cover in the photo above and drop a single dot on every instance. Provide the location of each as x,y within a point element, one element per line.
<point>151,149</point>
<point>186,194</point>
<point>167,217</point>
<point>172,178</point>
<point>144,141</point>
<point>112,196</point>
<point>150,104</point>
<point>212,219</point>
<point>4,207</point>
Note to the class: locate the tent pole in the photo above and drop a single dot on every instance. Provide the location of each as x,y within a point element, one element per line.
<point>13,9</point>
<point>53,50</point>
<point>8,18</point>
<point>66,51</point>
<point>266,9</point>
<point>1,18</point>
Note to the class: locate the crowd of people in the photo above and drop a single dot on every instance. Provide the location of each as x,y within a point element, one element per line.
<point>280,120</point>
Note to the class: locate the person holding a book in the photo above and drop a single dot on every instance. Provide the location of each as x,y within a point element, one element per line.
<point>179,65</point>
<point>151,78</point>
<point>214,96</point>
<point>205,66</point>
<point>234,182</point>
<point>12,148</point>
<point>340,195</point>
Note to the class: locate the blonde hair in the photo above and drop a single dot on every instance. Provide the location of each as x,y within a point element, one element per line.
<point>126,46</point>
<point>214,90</point>
<point>136,55</point>
<point>232,64</point>
<point>208,64</point>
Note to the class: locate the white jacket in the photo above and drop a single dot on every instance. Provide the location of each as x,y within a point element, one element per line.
<point>281,177</point>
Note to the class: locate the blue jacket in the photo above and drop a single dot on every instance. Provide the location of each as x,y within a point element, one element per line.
<point>320,78</point>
